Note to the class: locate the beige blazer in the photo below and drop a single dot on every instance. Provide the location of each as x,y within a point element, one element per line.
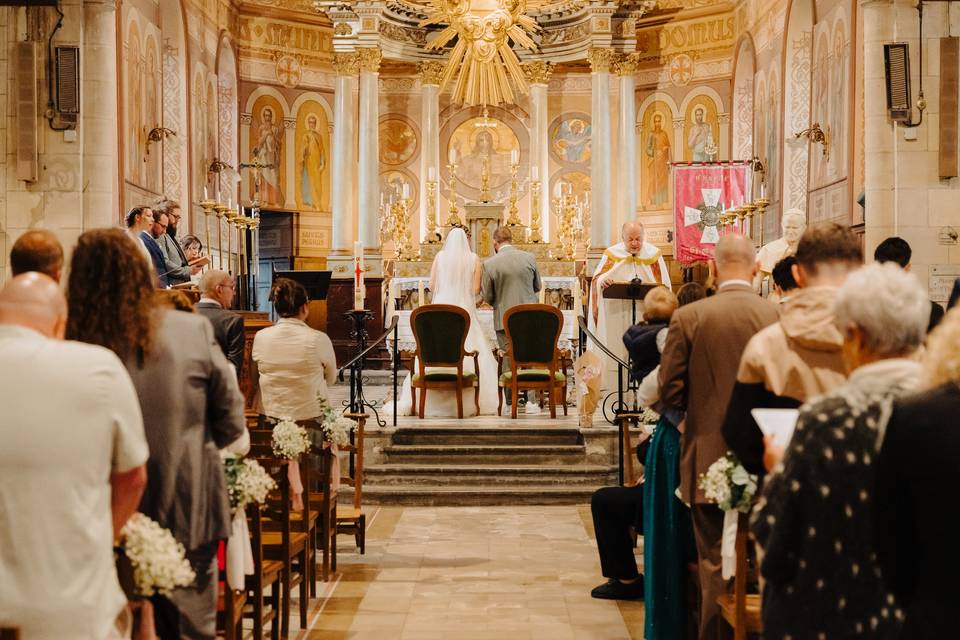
<point>698,369</point>
<point>509,278</point>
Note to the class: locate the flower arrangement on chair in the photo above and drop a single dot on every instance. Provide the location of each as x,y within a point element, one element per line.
<point>732,488</point>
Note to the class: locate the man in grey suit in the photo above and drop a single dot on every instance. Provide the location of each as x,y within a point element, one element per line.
<point>509,278</point>
<point>179,270</point>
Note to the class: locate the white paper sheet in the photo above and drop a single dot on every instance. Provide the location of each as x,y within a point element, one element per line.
<point>778,423</point>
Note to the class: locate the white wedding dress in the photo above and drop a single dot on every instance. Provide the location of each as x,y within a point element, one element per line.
<point>452,283</point>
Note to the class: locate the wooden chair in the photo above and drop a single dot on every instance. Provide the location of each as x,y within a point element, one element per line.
<point>351,519</point>
<point>533,331</point>
<point>440,331</point>
<point>739,609</point>
<point>323,504</point>
<point>281,538</point>
<point>266,573</point>
<point>230,603</point>
<point>9,633</point>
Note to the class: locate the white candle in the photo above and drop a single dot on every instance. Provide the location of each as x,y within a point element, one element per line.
<point>205,195</point>
<point>229,202</point>
<point>535,173</point>
<point>452,156</point>
<point>406,191</point>
<point>431,174</point>
<point>577,303</point>
<point>541,295</point>
<point>421,294</point>
<point>383,198</point>
<point>515,156</point>
<point>394,291</point>
<point>558,190</point>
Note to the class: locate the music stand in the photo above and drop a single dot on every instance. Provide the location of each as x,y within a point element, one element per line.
<point>633,291</point>
<point>317,283</point>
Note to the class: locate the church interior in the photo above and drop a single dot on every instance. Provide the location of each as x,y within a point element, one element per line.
<point>341,143</point>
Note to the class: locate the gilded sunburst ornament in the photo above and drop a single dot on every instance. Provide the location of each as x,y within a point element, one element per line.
<point>486,68</point>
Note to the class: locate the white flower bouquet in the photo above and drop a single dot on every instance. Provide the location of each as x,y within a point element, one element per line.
<point>158,560</point>
<point>247,482</point>
<point>649,416</point>
<point>289,439</point>
<point>728,484</point>
<point>335,426</point>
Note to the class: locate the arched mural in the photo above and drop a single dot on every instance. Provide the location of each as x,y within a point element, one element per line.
<point>701,130</point>
<point>267,148</point>
<point>312,157</point>
<point>656,154</point>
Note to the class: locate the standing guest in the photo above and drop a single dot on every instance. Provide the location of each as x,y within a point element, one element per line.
<point>71,471</point>
<point>37,250</point>
<point>140,229</point>
<point>784,284</point>
<point>697,373</point>
<point>216,297</point>
<point>193,249</point>
<point>294,362</point>
<point>813,520</point>
<point>690,292</point>
<point>179,268</point>
<point>191,408</point>
<point>801,356</point>
<point>897,251</point>
<point>917,512</point>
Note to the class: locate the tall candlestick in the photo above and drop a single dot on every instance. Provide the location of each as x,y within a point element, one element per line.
<point>452,156</point>
<point>431,174</point>
<point>358,292</point>
<point>535,173</point>
<point>421,294</point>
<point>515,156</point>
<point>405,191</point>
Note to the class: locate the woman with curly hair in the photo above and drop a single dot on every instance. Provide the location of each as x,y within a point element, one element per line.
<point>190,402</point>
<point>917,511</point>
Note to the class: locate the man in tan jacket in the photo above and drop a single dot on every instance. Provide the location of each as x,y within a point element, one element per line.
<point>697,372</point>
<point>799,357</point>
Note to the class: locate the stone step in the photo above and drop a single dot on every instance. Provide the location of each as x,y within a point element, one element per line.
<point>481,496</point>
<point>456,435</point>
<point>485,454</point>
<point>477,476</point>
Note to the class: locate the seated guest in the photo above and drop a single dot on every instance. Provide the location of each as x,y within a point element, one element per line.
<point>216,297</point>
<point>140,229</point>
<point>294,362</point>
<point>800,357</point>
<point>897,251</point>
<point>37,250</point>
<point>174,299</point>
<point>814,517</point>
<point>191,406</point>
<point>784,284</point>
<point>915,503</point>
<point>71,471</point>
<point>641,339</point>
<point>178,266</point>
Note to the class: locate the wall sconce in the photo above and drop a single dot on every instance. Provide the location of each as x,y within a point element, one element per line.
<point>817,135</point>
<point>158,134</point>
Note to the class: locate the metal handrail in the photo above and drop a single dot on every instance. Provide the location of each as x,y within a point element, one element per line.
<point>355,365</point>
<point>382,338</point>
<point>583,326</point>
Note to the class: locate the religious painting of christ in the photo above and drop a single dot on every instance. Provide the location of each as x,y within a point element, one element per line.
<point>657,155</point>
<point>483,144</point>
<point>570,138</point>
<point>267,150</point>
<point>312,142</point>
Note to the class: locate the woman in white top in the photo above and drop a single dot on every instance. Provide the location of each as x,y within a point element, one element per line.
<point>295,363</point>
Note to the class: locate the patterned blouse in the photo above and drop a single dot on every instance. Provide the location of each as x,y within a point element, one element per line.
<point>814,521</point>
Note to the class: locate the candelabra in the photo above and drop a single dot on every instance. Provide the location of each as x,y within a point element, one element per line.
<point>535,212</point>
<point>231,216</point>
<point>400,211</point>
<point>453,220</point>
<point>513,217</point>
<point>431,212</point>
<point>220,209</point>
<point>566,233</point>
<point>485,178</point>
<point>207,205</point>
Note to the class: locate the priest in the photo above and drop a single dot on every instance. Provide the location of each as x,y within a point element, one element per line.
<point>631,259</point>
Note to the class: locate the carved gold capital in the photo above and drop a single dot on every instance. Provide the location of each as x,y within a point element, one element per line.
<point>538,72</point>
<point>601,59</point>
<point>369,59</point>
<point>345,64</point>
<point>626,64</point>
<point>342,29</point>
<point>430,72</point>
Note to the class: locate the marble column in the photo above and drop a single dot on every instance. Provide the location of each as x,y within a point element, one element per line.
<point>430,74</point>
<point>538,75</point>
<point>101,192</point>
<point>369,162</point>
<point>625,67</point>
<point>601,227</point>
<point>343,158</point>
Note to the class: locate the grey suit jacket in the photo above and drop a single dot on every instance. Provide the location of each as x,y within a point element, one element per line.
<point>178,268</point>
<point>509,278</point>
<point>191,407</point>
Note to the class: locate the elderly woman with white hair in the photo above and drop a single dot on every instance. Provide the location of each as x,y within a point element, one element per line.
<point>814,518</point>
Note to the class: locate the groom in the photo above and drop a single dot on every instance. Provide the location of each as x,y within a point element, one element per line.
<point>509,278</point>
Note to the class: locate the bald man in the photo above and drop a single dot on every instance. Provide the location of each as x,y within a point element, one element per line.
<point>698,369</point>
<point>37,250</point>
<point>216,298</point>
<point>632,258</point>
<point>71,471</point>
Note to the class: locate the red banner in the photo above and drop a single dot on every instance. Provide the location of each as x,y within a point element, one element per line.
<point>702,193</point>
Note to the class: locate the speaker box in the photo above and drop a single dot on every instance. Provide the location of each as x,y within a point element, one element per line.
<point>896,58</point>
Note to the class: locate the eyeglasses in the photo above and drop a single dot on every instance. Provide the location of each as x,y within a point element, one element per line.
<point>232,285</point>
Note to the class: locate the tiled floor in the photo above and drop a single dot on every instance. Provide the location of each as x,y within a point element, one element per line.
<point>502,573</point>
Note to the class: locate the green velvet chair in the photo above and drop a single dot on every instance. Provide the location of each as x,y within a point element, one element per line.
<point>441,332</point>
<point>533,331</point>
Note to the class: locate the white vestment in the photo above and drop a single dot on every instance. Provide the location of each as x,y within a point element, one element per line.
<point>614,317</point>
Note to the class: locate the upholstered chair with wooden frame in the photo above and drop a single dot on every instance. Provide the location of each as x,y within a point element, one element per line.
<point>533,332</point>
<point>441,333</point>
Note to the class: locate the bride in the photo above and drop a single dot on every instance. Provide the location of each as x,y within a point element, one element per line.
<point>455,279</point>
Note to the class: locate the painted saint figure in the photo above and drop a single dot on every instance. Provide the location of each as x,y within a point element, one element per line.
<point>700,139</point>
<point>658,161</point>
<point>312,164</point>
<point>267,152</point>
<point>572,141</point>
